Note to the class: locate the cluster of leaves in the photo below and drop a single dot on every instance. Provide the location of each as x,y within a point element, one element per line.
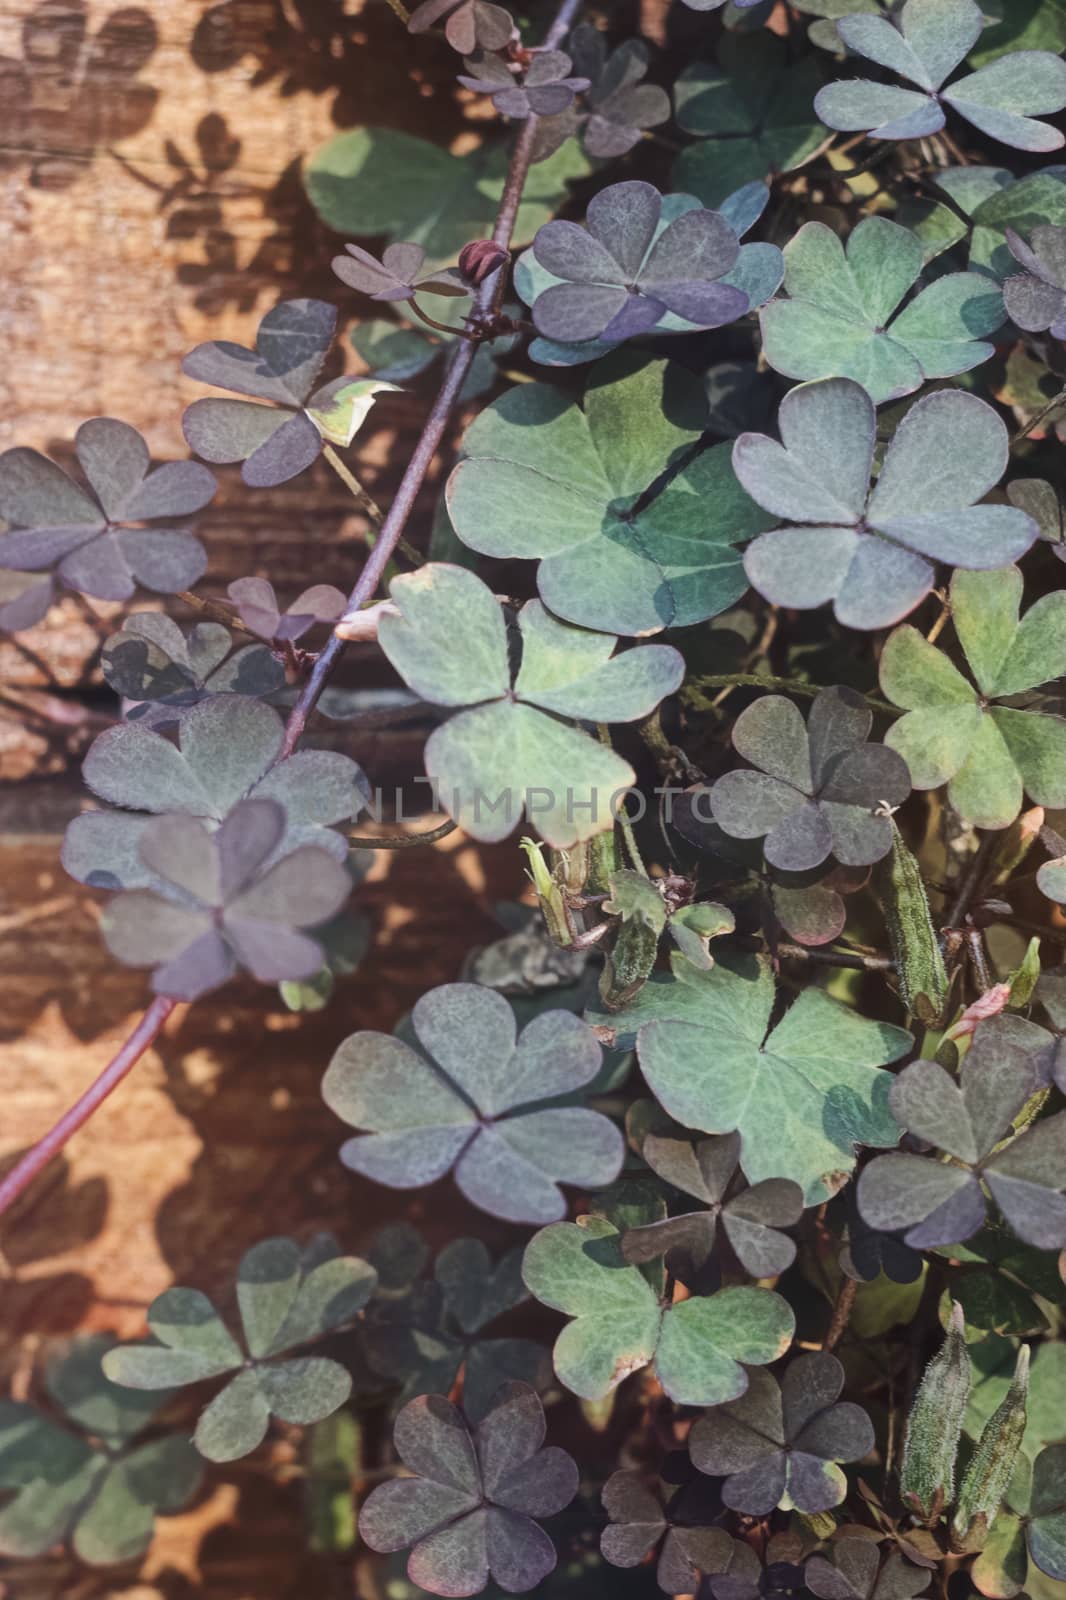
<point>817,416</point>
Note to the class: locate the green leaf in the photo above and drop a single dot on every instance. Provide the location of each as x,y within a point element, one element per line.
<point>619,1324</point>
<point>511,753</point>
<point>545,478</point>
<point>752,114</point>
<point>986,754</point>
<point>802,1096</point>
<point>380,181</point>
<point>838,320</point>
<point>236,1421</point>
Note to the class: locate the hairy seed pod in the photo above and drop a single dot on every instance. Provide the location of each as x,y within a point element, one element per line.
<point>934,1427</point>
<point>987,1478</point>
<point>923,979</point>
<point>605,858</point>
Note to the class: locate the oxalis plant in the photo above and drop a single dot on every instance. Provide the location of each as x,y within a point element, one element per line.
<point>739,626</point>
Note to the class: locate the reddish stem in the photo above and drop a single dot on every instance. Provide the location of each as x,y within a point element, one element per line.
<point>23,1172</point>
<point>392,529</point>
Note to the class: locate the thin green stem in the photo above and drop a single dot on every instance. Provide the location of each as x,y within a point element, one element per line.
<point>754,680</point>
<point>366,503</point>
<point>400,10</point>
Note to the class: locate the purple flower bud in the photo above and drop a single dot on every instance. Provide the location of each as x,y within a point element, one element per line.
<point>480,259</point>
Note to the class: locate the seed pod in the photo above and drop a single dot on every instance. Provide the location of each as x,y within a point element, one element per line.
<point>923,979</point>
<point>988,1476</point>
<point>604,858</point>
<point>549,893</point>
<point>934,1427</point>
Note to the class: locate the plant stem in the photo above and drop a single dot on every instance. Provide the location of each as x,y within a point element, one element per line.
<point>400,10</point>
<point>23,1172</point>
<point>841,1313</point>
<point>367,504</point>
<point>363,499</point>
<point>399,512</point>
<point>441,327</point>
<point>391,532</point>
<point>754,680</point>
<point>969,885</point>
<point>402,841</point>
<point>838,958</point>
<point>1034,422</point>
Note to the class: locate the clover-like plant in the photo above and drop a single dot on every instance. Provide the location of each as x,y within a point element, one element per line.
<point>626,543</point>
<point>934,1202</point>
<point>813,789</point>
<point>509,749</point>
<point>621,106</point>
<point>873,553</point>
<point>471,1102</point>
<point>779,1444</point>
<point>751,1218</point>
<point>620,1323</point>
<point>801,1095</point>
<point>396,275</point>
<point>287,1298</point>
<point>258,608</point>
<point>757,273</point>
<point>87,1478</point>
<point>842,316</point>
<point>1002,99</point>
<point>280,439</point>
<point>856,1572</point>
<point>228,749</point>
<point>546,88</point>
<point>471,24</point>
<point>988,753</point>
<point>428,1335</point>
<point>130,525</point>
<point>470,1506</point>
<point>230,910</point>
<point>619,275</point>
<point>644,1518</point>
<point>1036,298</point>
<point>163,672</point>
<point>751,114</point>
<point>645,908</point>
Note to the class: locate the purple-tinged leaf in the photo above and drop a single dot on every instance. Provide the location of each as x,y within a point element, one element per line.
<point>417,1124</point>
<point>774,1440</point>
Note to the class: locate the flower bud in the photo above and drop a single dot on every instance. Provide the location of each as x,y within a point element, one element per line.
<point>480,259</point>
<point>988,1476</point>
<point>927,1481</point>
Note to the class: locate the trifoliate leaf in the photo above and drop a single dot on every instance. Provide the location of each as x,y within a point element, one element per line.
<point>778,1444</point>
<point>873,553</point>
<point>227,749</point>
<point>469,1103</point>
<point>468,1509</point>
<point>95,540</point>
<point>988,754</point>
<point>752,114</point>
<point>287,1298</point>
<point>939,1203</point>
<point>620,1325</point>
<point>842,317</point>
<point>932,39</point>
<point>543,477</point>
<point>513,752</point>
<point>802,1095</point>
